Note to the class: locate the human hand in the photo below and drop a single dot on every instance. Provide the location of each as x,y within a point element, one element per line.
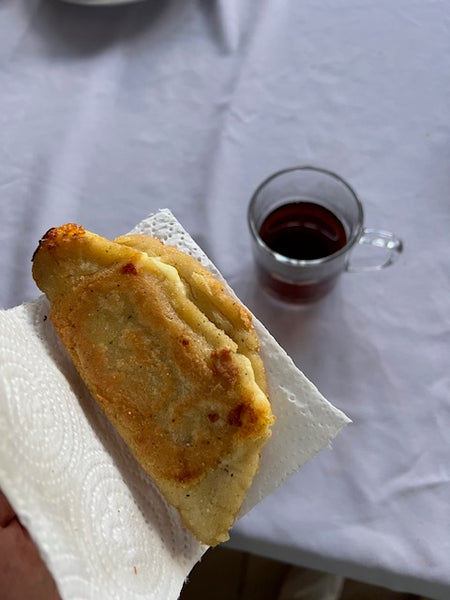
<point>23,574</point>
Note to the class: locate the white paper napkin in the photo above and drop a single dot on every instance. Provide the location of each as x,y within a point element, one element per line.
<point>101,525</point>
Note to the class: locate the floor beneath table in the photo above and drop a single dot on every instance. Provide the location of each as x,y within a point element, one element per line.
<point>225,574</point>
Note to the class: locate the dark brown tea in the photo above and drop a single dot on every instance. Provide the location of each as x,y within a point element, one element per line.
<point>304,231</point>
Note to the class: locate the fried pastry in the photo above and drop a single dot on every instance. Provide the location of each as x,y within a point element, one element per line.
<point>171,358</point>
<point>209,295</point>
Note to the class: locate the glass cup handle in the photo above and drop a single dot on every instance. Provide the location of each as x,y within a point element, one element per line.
<point>378,239</point>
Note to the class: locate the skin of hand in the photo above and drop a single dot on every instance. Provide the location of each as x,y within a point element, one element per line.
<point>23,574</point>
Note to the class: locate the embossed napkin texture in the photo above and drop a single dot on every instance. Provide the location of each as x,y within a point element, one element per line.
<point>100,523</point>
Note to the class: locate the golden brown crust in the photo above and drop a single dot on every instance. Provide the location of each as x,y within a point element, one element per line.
<point>180,391</point>
<point>209,294</point>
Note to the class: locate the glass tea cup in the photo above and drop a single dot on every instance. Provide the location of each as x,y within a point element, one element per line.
<point>304,222</point>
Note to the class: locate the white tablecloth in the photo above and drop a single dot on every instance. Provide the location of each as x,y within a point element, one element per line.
<point>107,114</point>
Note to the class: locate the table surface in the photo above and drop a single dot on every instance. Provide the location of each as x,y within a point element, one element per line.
<point>109,113</point>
